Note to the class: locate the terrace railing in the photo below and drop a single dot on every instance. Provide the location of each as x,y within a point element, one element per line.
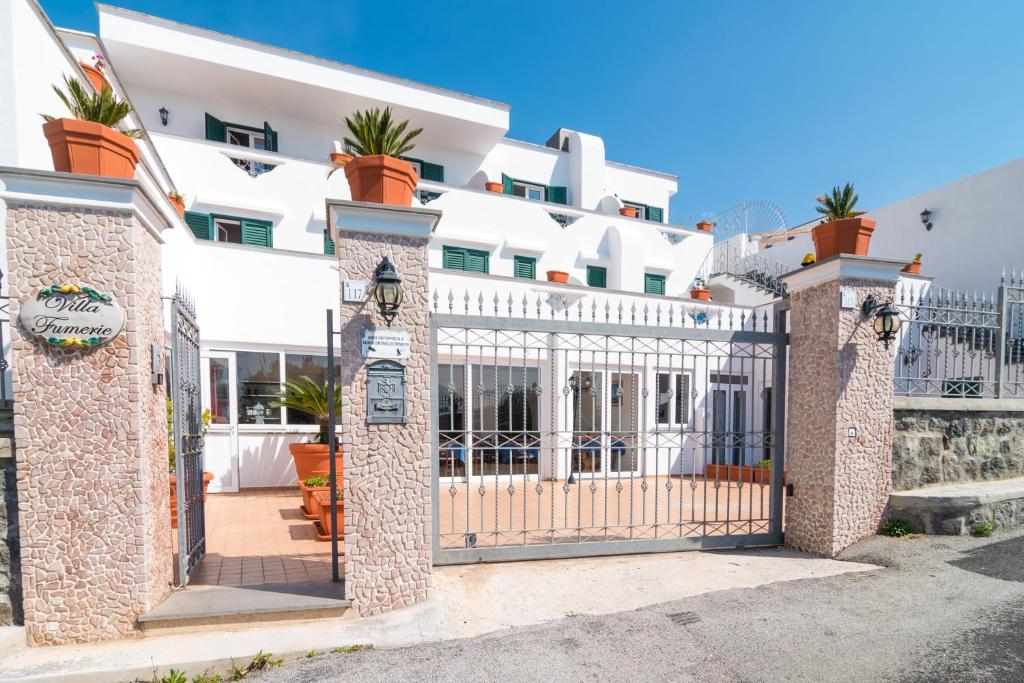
<point>737,258</point>
<point>959,344</point>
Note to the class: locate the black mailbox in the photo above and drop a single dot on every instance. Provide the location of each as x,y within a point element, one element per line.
<point>385,393</point>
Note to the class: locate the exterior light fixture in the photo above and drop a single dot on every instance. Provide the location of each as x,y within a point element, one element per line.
<point>387,291</point>
<point>887,319</point>
<point>163,115</point>
<point>926,218</point>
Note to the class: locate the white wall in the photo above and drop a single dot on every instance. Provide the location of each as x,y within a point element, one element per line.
<point>978,229</point>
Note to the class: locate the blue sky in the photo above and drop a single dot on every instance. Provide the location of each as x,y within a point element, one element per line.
<point>741,99</point>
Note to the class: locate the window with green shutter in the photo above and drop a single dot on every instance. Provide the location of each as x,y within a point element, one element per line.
<point>469,260</point>
<point>201,224</point>
<point>328,243</point>
<point>655,214</point>
<point>230,229</point>
<point>597,276</point>
<point>556,195</point>
<point>426,170</point>
<point>257,233</point>
<point>654,284</point>
<point>538,191</point>
<point>524,267</point>
<point>641,209</point>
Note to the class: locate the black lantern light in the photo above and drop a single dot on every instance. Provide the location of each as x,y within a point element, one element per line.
<point>163,115</point>
<point>887,319</point>
<point>926,219</point>
<point>387,291</point>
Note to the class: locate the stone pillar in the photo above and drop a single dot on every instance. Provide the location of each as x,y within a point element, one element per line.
<point>840,398</point>
<point>388,532</point>
<point>90,426</point>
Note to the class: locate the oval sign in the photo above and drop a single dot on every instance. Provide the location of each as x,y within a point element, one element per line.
<point>72,316</point>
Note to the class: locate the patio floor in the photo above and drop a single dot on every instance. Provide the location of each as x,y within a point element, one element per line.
<point>259,537</point>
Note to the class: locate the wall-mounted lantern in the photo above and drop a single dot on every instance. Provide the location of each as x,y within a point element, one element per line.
<point>387,291</point>
<point>887,319</point>
<point>163,115</point>
<point>926,219</point>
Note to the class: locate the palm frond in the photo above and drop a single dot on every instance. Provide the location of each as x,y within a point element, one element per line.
<point>839,204</point>
<point>375,132</point>
<point>103,107</point>
<point>306,396</point>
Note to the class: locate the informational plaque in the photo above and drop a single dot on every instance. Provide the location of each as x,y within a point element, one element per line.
<point>385,342</point>
<point>72,316</point>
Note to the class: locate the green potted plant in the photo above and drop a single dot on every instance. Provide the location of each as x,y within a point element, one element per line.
<point>90,142</point>
<point>376,173</point>
<point>306,396</point>
<point>844,230</point>
<point>700,290</point>
<point>914,267</point>
<point>178,201</point>
<point>172,479</point>
<point>320,481</point>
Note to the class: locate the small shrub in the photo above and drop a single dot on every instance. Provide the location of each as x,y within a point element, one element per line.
<point>174,676</point>
<point>317,480</point>
<point>350,649</point>
<point>764,464</point>
<point>313,653</point>
<point>261,662</point>
<point>896,528</point>
<point>984,529</point>
<point>207,677</point>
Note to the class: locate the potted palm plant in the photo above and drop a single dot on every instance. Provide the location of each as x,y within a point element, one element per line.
<point>375,173</point>
<point>91,142</point>
<point>844,231</point>
<point>914,267</point>
<point>306,396</point>
<point>178,201</point>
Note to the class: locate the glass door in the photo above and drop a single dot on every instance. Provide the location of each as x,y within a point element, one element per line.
<point>221,442</point>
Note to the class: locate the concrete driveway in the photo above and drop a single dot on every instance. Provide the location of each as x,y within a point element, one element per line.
<point>939,609</point>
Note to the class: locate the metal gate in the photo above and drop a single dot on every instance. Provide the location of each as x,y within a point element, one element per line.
<point>187,420</point>
<point>568,428</point>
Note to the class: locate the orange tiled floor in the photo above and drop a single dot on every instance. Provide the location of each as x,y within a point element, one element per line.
<point>259,537</point>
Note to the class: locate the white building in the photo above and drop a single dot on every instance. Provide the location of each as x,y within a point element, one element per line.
<point>244,130</point>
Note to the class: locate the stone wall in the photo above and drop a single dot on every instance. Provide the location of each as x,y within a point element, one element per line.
<point>92,449</point>
<point>932,447</point>
<point>10,563</point>
<point>387,466</point>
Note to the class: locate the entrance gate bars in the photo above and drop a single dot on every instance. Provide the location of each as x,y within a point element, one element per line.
<point>568,429</point>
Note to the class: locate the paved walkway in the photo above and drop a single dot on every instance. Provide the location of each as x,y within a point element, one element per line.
<point>470,601</point>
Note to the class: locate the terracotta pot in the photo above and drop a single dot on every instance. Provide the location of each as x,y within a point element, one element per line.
<point>381,179</point>
<point>95,76</point>
<point>912,268</point>
<point>173,481</point>
<point>705,226</point>
<point>750,474</point>
<point>494,187</point>
<point>340,158</point>
<point>323,522</point>
<point>628,211</point>
<point>313,458</point>
<point>845,236</point>
<point>90,148</point>
<point>309,505</point>
<point>700,294</point>
<point>179,205</point>
<point>559,276</point>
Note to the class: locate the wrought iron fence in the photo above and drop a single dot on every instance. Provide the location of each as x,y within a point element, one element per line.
<point>960,344</point>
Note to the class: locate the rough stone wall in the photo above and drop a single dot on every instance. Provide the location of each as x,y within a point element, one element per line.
<point>10,562</point>
<point>92,452</point>
<point>387,467</point>
<point>839,377</point>
<point>951,446</point>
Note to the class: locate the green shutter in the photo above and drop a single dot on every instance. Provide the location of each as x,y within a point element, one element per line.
<point>506,184</point>
<point>524,267</point>
<point>654,284</point>
<point>477,261</point>
<point>201,224</point>
<point>215,129</point>
<point>454,258</point>
<point>433,172</point>
<point>654,213</point>
<point>269,138</point>
<point>328,243</point>
<point>556,195</point>
<point>257,233</point>
<point>597,276</point>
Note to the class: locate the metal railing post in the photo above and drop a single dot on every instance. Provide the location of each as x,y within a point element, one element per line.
<point>1002,333</point>
<point>332,446</point>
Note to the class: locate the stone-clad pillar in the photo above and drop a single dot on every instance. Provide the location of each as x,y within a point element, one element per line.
<point>386,466</point>
<point>89,424</point>
<point>839,419</point>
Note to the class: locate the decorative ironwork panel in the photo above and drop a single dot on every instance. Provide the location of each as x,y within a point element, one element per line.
<point>187,421</point>
<point>558,435</point>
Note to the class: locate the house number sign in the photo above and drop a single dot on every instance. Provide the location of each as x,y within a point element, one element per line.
<point>72,316</point>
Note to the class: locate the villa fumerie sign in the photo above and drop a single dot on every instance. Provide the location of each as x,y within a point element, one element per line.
<point>71,316</point>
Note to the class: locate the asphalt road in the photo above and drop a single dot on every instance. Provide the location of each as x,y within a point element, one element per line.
<point>940,609</point>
